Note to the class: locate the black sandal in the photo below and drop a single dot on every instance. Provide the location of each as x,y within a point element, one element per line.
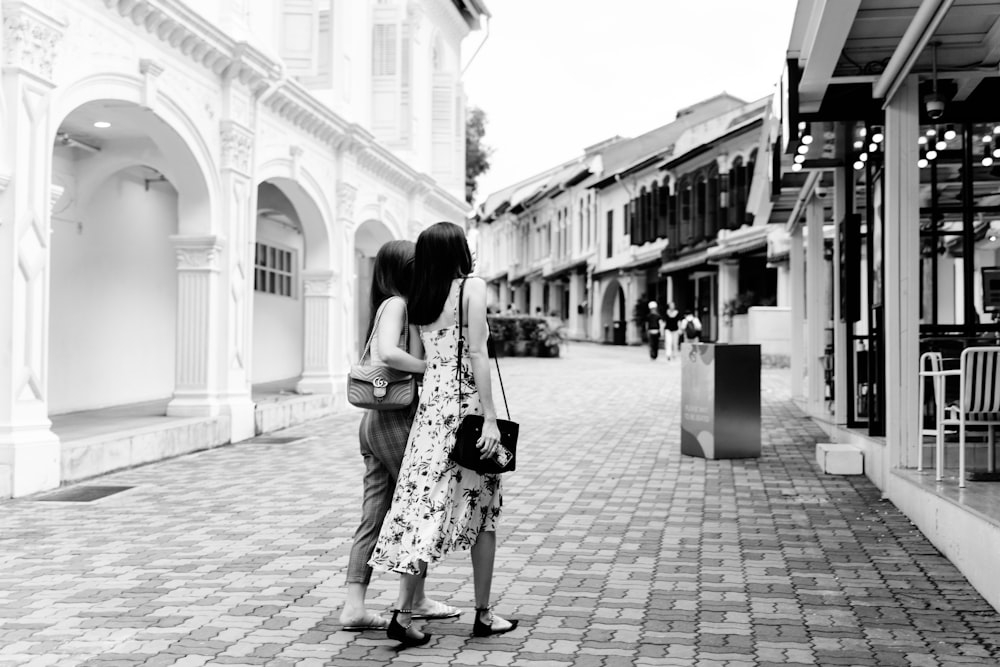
<point>397,632</point>
<point>480,629</point>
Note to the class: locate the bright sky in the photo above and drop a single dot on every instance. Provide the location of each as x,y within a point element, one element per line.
<point>555,76</point>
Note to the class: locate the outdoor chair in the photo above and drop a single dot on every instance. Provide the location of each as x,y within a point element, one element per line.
<point>978,403</point>
<point>931,366</point>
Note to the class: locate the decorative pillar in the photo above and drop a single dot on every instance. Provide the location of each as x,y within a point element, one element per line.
<point>536,288</point>
<point>29,451</point>
<point>843,184</point>
<point>577,320</point>
<point>342,329</point>
<point>199,262</point>
<point>320,312</point>
<point>902,276</point>
<point>816,306</point>
<point>797,293</point>
<point>238,204</point>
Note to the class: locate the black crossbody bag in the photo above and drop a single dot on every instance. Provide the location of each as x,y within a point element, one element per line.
<point>470,428</point>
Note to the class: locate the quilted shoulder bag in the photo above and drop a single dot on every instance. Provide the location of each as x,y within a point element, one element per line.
<point>380,387</point>
<point>470,427</point>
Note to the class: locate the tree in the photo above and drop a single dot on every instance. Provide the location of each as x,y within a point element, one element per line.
<point>477,154</point>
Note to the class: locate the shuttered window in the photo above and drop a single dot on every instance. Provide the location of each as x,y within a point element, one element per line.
<point>274,270</point>
<point>384,50</point>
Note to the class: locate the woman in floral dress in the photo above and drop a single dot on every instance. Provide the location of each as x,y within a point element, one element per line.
<point>439,506</point>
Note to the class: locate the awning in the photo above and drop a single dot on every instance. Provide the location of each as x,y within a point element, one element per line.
<point>741,247</point>
<point>685,262</point>
<point>566,268</point>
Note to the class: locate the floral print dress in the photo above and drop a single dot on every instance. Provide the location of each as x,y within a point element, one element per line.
<point>438,506</point>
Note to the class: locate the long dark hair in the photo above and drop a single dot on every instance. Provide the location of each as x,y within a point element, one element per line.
<point>391,276</point>
<point>442,255</point>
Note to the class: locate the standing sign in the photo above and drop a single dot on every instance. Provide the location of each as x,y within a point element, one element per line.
<point>720,400</point>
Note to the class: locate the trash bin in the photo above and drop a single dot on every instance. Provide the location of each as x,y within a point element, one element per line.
<point>618,334</point>
<point>720,400</point>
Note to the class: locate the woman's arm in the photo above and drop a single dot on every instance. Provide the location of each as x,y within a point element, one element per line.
<point>475,309</point>
<point>390,328</point>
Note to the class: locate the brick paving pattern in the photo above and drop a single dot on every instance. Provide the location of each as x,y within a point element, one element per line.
<point>615,550</point>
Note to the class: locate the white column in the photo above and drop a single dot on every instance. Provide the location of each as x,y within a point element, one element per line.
<point>797,294</point>
<point>199,262</point>
<point>536,287</point>
<point>729,281</point>
<point>841,186</point>
<point>239,215</point>
<point>29,451</point>
<point>784,296</point>
<point>816,306</point>
<point>576,324</point>
<point>318,291</point>
<point>344,328</point>
<point>902,278</point>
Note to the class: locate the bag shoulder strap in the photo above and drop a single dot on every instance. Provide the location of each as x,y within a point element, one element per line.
<point>461,344</point>
<point>366,354</point>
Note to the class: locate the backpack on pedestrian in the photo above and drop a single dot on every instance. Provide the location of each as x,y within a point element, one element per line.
<point>692,328</point>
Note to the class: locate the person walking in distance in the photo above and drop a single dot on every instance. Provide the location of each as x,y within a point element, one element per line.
<point>438,506</point>
<point>654,329</point>
<point>670,330</point>
<point>691,327</point>
<point>383,435</point>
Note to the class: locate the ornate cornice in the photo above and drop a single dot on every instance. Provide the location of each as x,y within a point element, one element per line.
<point>174,23</point>
<point>30,38</point>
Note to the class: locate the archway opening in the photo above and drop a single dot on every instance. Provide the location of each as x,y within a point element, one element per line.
<point>127,185</point>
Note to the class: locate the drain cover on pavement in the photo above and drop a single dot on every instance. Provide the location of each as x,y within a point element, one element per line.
<point>273,440</point>
<point>83,494</point>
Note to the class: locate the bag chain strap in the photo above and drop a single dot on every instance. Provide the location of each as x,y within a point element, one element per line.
<point>461,344</point>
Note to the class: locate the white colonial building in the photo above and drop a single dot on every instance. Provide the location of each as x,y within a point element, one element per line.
<point>190,198</point>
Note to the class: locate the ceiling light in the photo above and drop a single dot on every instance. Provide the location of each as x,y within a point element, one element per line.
<point>922,162</point>
<point>987,161</point>
<point>921,140</point>
<point>803,149</point>
<point>799,159</point>
<point>931,132</point>
<point>859,165</point>
<point>807,139</point>
<point>931,154</point>
<point>102,124</point>
<point>877,134</point>
<point>859,144</point>
<point>993,238</point>
<point>872,148</point>
<point>863,157</point>
<point>796,167</point>
<point>949,132</point>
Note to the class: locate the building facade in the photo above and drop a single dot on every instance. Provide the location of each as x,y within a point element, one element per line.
<point>884,172</point>
<point>190,200</point>
<point>663,216</point>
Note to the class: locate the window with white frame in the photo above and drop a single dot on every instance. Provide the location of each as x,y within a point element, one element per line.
<point>274,270</point>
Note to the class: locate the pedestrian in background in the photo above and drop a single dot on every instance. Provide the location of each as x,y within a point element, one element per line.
<point>383,435</point>
<point>654,329</point>
<point>440,507</point>
<point>691,327</point>
<point>671,330</point>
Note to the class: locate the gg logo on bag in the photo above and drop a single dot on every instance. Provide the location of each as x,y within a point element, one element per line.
<point>380,385</point>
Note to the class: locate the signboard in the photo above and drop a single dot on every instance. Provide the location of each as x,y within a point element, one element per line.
<point>991,289</point>
<point>720,415</point>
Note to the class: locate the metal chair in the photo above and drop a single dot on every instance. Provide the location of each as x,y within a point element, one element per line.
<point>931,366</point>
<point>978,403</point>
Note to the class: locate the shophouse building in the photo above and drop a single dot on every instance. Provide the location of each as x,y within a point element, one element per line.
<point>191,195</point>
<point>889,140</point>
<point>663,217</point>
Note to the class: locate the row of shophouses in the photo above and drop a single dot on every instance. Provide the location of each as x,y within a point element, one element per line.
<point>666,216</point>
<point>848,223</point>
<point>191,197</point>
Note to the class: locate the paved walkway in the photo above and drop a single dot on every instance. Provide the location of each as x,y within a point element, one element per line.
<point>615,550</point>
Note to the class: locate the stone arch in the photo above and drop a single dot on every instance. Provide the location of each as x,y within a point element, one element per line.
<point>613,308</point>
<point>315,212</point>
<point>188,158</point>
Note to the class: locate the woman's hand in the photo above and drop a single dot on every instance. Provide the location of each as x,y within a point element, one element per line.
<point>489,441</point>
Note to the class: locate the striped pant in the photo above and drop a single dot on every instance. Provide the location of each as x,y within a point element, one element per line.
<point>383,435</point>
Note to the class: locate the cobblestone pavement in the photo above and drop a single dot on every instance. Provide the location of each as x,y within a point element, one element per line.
<point>615,550</point>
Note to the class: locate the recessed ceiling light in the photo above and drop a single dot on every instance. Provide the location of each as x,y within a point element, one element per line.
<point>102,124</point>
